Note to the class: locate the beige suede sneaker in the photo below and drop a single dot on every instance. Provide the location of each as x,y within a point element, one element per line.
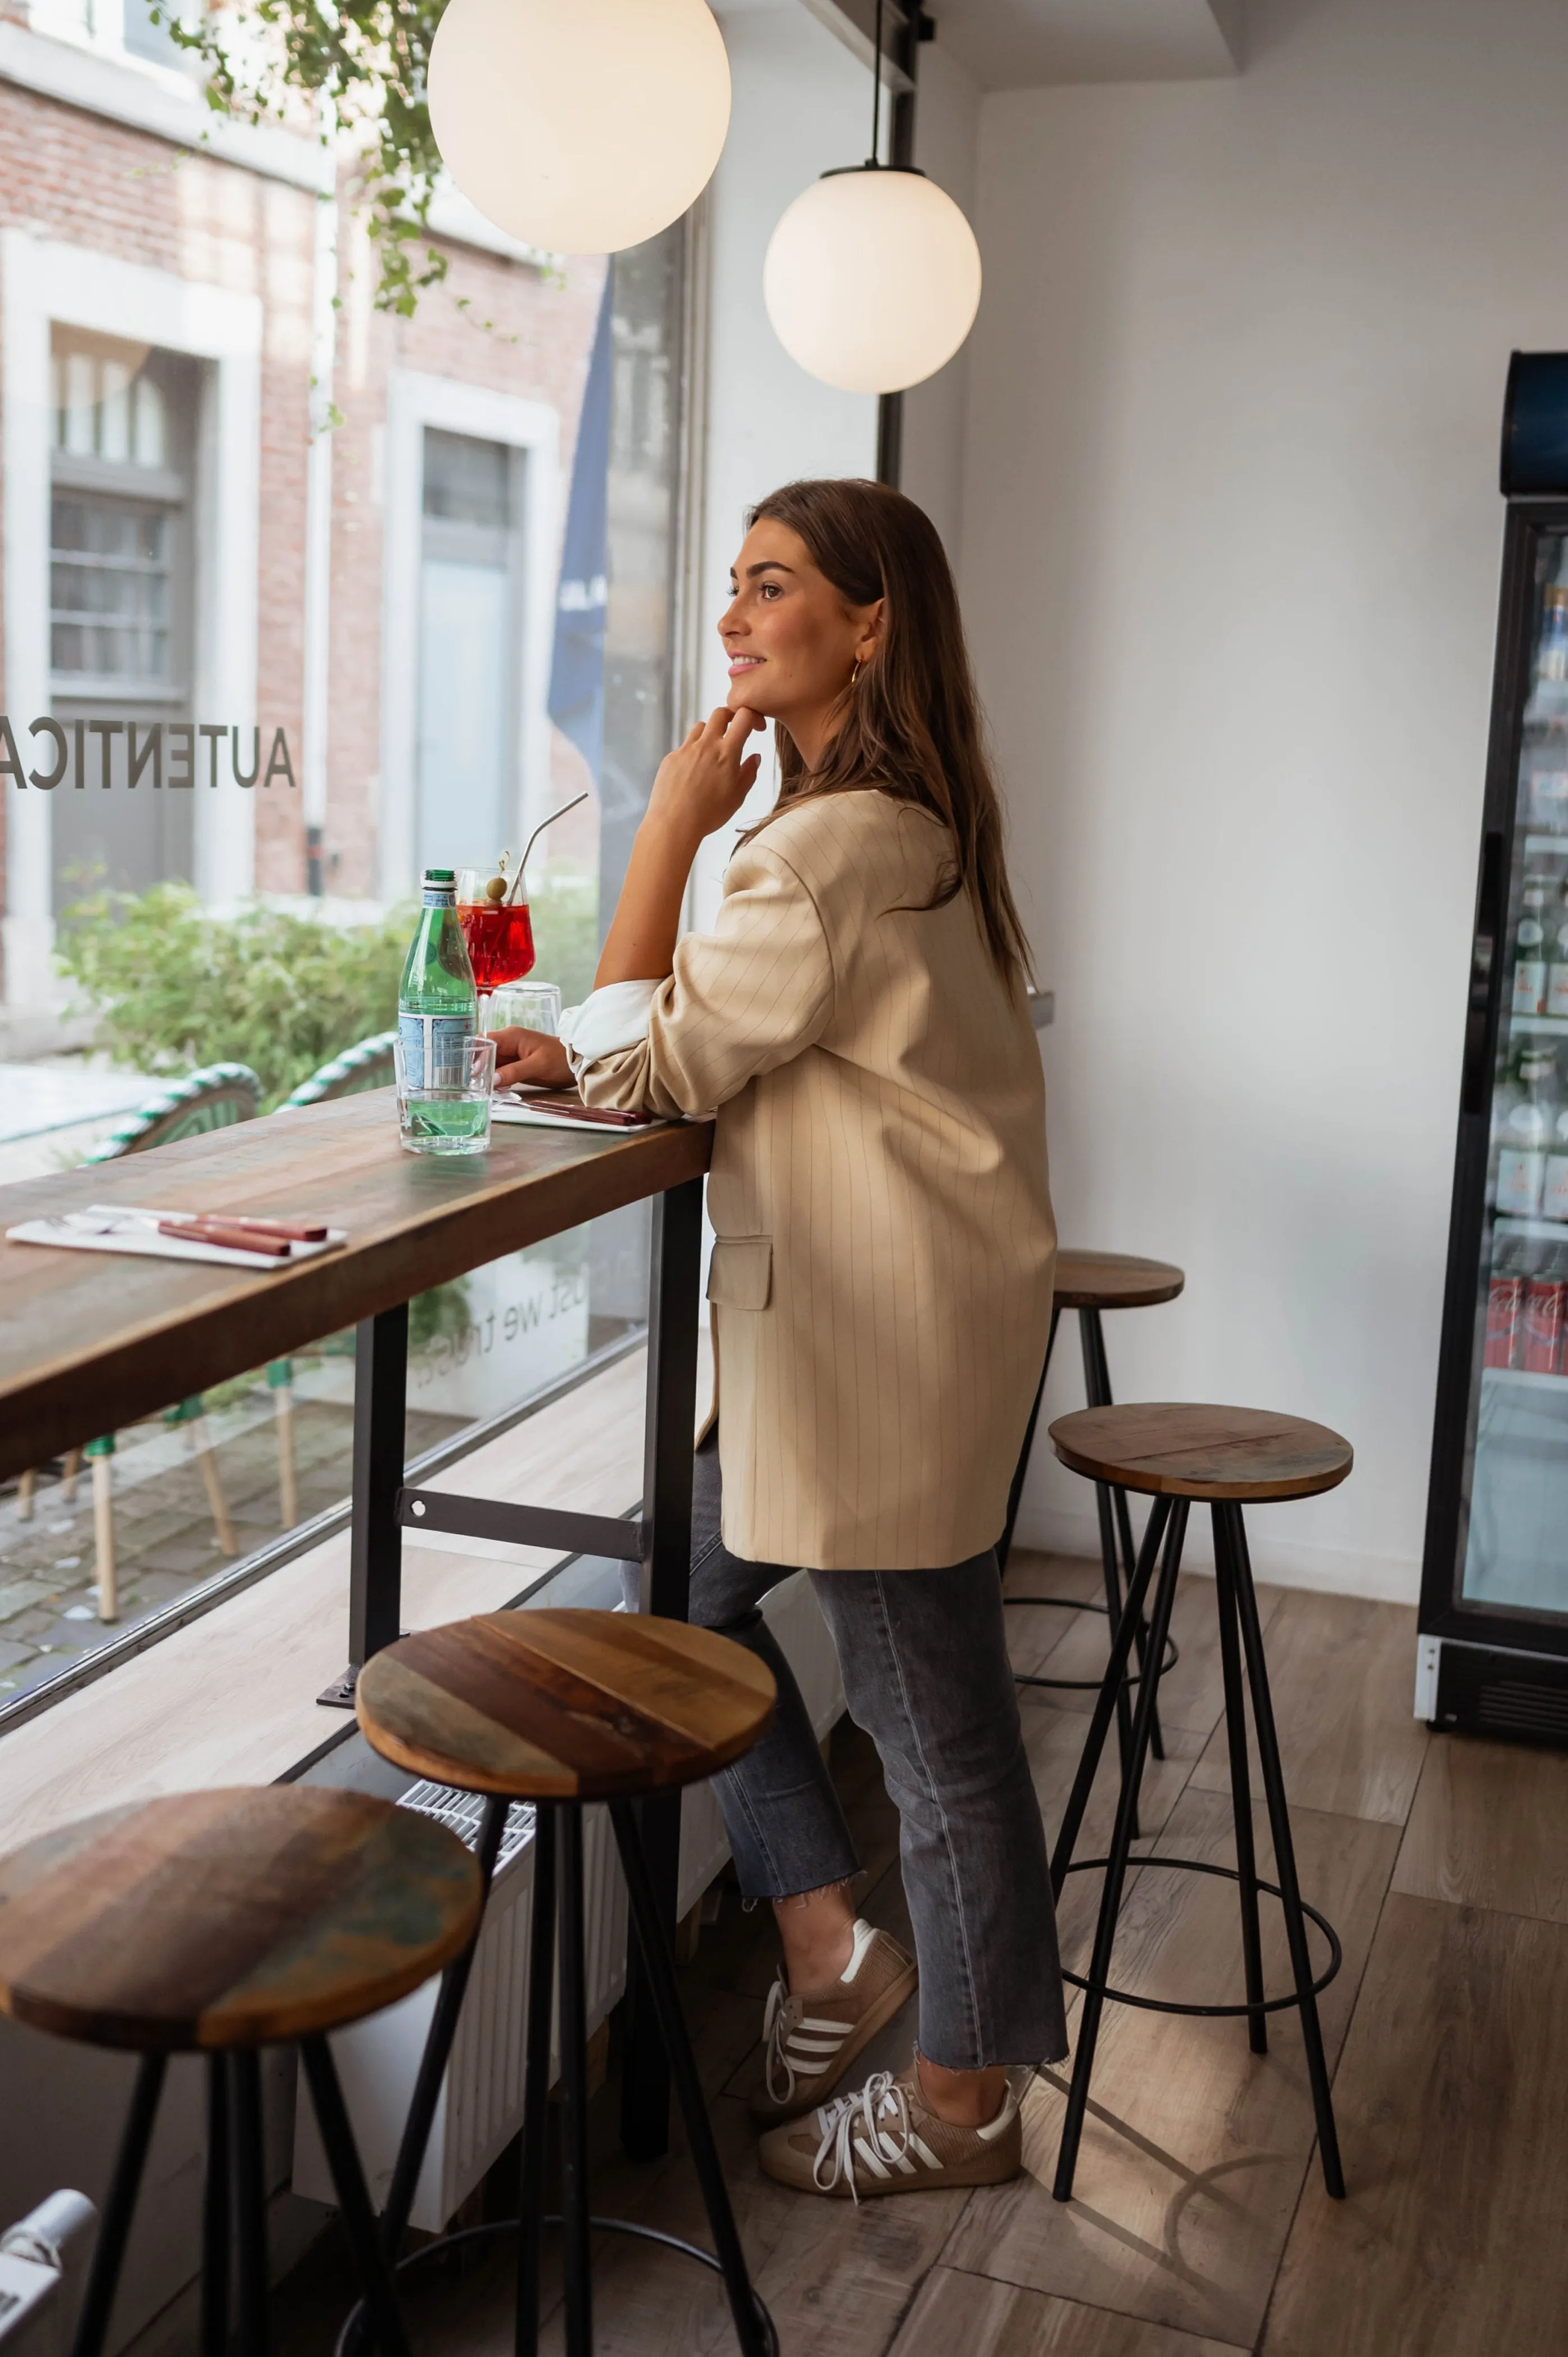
<point>809,2042</point>
<point>886,2139</point>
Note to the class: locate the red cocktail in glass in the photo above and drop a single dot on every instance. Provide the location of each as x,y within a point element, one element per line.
<point>498,935</point>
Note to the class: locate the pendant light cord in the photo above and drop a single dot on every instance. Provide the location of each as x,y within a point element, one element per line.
<point>875,156</point>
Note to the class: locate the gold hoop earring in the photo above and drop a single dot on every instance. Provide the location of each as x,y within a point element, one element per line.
<point>855,672</point>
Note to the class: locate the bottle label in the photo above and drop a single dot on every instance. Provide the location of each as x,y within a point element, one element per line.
<point>1555,1191</point>
<point>1520,1174</point>
<point>434,1049</point>
<point>1505,1304</point>
<point>440,896</point>
<point>1529,986</point>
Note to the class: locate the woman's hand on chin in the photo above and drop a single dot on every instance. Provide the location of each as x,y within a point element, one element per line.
<point>702,784</point>
<point>536,1058</point>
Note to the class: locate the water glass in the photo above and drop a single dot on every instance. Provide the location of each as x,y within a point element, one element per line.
<point>531,1005</point>
<point>448,1110</point>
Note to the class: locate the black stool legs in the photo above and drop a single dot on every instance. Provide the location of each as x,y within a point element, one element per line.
<point>1117,1555</point>
<point>754,2328</point>
<point>557,1915</point>
<point>233,2211</point>
<point>1237,1605</point>
<point>114,2230</point>
<point>564,1820</point>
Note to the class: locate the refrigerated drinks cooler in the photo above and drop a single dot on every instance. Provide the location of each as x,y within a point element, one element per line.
<point>1493,1652</point>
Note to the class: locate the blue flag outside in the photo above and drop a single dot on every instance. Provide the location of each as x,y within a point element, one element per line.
<point>576,701</point>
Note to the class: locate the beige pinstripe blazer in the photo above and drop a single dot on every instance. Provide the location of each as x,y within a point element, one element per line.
<point>882,1275</point>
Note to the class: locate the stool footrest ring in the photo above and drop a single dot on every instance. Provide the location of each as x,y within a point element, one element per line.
<point>1209,2012</point>
<point>1085,1685</point>
<point>347,2338</point>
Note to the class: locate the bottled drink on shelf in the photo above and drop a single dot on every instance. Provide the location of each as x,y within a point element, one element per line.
<point>1526,1132</point>
<point>1553,661</point>
<point>1549,795</point>
<point>1529,959</point>
<point>437,1006</point>
<point>1557,959</point>
<point>1554,1178</point>
<point>1505,1302</point>
<point>1546,1299</point>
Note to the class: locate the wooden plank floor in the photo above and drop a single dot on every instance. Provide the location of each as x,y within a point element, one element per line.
<point>1199,2227</point>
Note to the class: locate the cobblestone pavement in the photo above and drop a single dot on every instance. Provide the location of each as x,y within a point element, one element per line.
<point>165,1540</point>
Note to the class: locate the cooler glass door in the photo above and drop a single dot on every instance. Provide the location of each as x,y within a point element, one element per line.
<point>1513,1556</point>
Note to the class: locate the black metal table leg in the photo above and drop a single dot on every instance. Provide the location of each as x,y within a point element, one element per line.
<point>109,2251</point>
<point>353,2197</point>
<point>1121,1844</point>
<point>1020,1471</point>
<point>375,1560</point>
<point>536,2087</point>
<point>249,2172</point>
<point>1285,1850</point>
<point>215,2209</point>
<point>574,2255</point>
<point>666,1573</point>
<point>752,2328</point>
<point>438,2044</point>
<point>1240,1779</point>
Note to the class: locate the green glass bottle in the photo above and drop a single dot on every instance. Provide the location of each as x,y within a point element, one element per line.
<point>437,1005</point>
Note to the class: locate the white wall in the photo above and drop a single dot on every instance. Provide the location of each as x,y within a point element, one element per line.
<point>1230,544</point>
<point>802,104</point>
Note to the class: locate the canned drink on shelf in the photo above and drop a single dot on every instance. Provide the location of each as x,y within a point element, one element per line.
<point>1545,1299</point>
<point>1505,1304</point>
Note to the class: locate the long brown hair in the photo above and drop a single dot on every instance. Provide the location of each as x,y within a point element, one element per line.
<point>911,720</point>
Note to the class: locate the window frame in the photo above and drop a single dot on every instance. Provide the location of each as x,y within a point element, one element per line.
<point>532,431</point>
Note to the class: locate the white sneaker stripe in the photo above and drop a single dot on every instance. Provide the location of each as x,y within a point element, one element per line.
<point>869,2158</point>
<point>918,2144</point>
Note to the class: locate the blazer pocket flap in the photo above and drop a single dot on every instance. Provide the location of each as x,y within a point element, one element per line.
<point>740,1273</point>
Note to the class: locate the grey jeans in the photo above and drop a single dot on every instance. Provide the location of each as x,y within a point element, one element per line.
<point>924,1660</point>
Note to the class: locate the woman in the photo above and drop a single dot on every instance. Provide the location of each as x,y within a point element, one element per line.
<point>881,1281</point>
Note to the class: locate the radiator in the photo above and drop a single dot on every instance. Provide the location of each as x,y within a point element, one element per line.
<point>480,2107</point>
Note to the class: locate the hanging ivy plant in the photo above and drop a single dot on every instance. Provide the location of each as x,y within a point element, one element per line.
<point>357,68</point>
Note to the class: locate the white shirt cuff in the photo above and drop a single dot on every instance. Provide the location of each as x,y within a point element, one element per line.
<point>606,1021</point>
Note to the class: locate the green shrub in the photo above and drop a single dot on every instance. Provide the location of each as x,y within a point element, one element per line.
<point>175,987</point>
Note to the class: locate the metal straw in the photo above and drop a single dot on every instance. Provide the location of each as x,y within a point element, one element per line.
<point>522,863</point>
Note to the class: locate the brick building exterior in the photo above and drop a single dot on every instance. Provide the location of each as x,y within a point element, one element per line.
<point>139,246</point>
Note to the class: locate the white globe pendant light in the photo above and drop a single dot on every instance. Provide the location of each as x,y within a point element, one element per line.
<point>581,126</point>
<point>871,279</point>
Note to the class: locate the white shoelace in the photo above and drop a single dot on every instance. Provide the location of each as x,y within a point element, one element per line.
<point>788,2044</point>
<point>854,2125</point>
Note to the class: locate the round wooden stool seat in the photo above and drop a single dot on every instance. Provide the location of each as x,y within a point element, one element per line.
<point>1096,1280</point>
<point>564,1705</point>
<point>230,1919</point>
<point>1178,1451</point>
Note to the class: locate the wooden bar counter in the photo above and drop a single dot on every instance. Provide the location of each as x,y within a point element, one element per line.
<point>91,1341</point>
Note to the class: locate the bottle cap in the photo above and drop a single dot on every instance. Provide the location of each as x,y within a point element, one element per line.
<point>441,876</point>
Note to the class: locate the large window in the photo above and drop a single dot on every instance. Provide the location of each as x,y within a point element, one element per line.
<point>434,559</point>
<point>122,601</point>
<point>469,637</point>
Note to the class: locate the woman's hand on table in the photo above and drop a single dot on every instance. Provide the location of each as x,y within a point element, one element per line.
<point>536,1058</point>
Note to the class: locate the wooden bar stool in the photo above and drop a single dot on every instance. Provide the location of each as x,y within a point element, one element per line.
<point>219,1923</point>
<point>1227,1456</point>
<point>561,1708</point>
<point>1091,1283</point>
